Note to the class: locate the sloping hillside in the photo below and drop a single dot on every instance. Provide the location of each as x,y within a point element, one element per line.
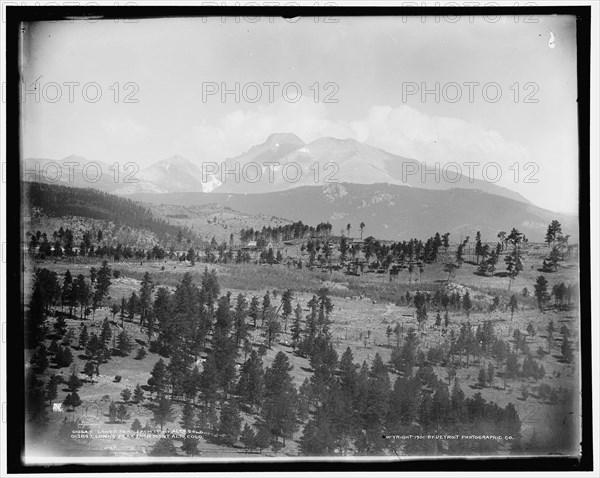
<point>61,201</point>
<point>389,211</point>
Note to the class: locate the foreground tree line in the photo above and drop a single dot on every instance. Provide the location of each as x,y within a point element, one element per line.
<point>342,407</point>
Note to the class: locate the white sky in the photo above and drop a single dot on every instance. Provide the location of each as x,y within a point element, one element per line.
<point>368,58</point>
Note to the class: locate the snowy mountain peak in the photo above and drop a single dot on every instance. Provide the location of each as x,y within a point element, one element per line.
<point>279,139</point>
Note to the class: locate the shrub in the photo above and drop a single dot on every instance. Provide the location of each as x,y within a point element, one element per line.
<point>136,426</point>
<point>118,378</point>
<point>544,391</point>
<point>435,354</point>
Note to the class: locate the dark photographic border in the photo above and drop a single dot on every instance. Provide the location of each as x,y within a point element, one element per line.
<point>15,307</point>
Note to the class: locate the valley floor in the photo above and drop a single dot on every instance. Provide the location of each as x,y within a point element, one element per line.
<point>358,321</point>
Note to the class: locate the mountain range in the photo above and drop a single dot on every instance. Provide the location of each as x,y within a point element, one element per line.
<point>323,161</point>
<point>369,188</point>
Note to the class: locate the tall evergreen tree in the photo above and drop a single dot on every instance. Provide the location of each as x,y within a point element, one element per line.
<point>254,310</point>
<point>188,417</point>
<point>279,406</point>
<point>541,291</point>
<point>297,326</point>
<point>240,314</point>
<point>163,412</point>
<point>138,393</point>
<point>250,386</point>
<point>266,305</point>
<point>158,380</point>
<point>230,423</point>
<point>209,381</point>
<point>145,302</point>
<point>286,303</point>
<point>124,343</point>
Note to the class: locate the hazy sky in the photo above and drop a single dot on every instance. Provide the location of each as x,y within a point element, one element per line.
<point>368,63</point>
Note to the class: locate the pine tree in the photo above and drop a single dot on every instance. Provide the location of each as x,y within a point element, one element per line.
<point>63,357</point>
<point>553,231</point>
<point>263,437</point>
<point>138,393</point>
<point>541,291</point>
<point>317,438</point>
<point>39,361</point>
<point>266,305</point>
<point>67,292</point>
<point>122,413</point>
<point>163,413</point>
<point>52,388</point>
<point>72,401</point>
<point>132,306</point>
<point>376,411</point>
<point>254,310</point>
<point>190,445</point>
<point>83,337</point>
<point>178,370</point>
<point>123,311</point>
<point>60,325</point>
<point>74,383</point>
<point>126,395</point>
<point>467,304</point>
<point>103,280</point>
<point>94,348</point>
<point>348,376</point>
<point>158,380</point>
<point>209,380</point>
<point>286,302</point>
<point>297,326</point>
<point>273,326</point>
<point>482,377</point>
<point>81,291</point>
<point>566,349</point>
<point>250,386</point>
<point>164,447</point>
<point>112,412</point>
<point>240,313</point>
<point>420,305</point>
<point>188,417</point>
<point>230,423</point>
<point>248,438</point>
<point>89,369</point>
<point>145,301</point>
<point>191,385</point>
<point>114,310</point>
<point>325,309</point>
<point>106,333</point>
<point>513,304</point>
<point>136,426</point>
<point>409,351</point>
<point>124,344</point>
<point>279,410</point>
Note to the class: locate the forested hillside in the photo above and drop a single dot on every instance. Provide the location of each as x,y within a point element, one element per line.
<point>60,201</point>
